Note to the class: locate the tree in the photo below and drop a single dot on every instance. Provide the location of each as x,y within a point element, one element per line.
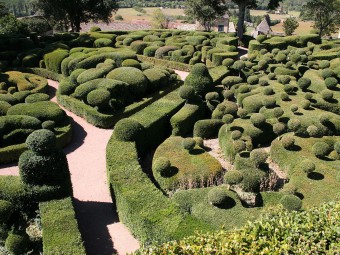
<point>289,26</point>
<point>242,5</point>
<point>10,25</point>
<point>73,12</point>
<point>325,14</point>
<point>160,20</point>
<point>205,11</point>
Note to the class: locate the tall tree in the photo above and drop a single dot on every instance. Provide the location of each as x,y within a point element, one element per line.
<point>243,4</point>
<point>325,14</point>
<point>74,12</point>
<point>160,20</point>
<point>289,26</point>
<point>205,11</point>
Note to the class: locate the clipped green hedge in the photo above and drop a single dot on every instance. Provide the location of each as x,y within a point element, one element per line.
<point>53,60</point>
<point>165,63</point>
<point>60,228</point>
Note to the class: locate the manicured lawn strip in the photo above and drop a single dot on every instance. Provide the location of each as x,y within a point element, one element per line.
<point>60,228</point>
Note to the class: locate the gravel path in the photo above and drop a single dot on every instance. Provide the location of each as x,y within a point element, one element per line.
<point>216,152</point>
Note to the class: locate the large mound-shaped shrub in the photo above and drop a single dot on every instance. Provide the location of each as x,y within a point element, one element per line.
<point>41,141</point>
<point>233,177</point>
<point>291,202</point>
<point>321,149</point>
<point>200,79</point>
<point>162,166</point>
<point>127,130</point>
<point>217,196</point>
<point>138,83</point>
<point>99,98</point>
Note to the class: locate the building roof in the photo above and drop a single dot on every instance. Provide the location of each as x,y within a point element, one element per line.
<point>263,26</point>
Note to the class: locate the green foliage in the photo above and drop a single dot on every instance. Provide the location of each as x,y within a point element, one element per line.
<point>187,92</point>
<point>6,210</point>
<point>288,141</point>
<point>10,25</point>
<point>16,244</point>
<point>217,196</point>
<point>36,97</point>
<point>41,141</point>
<point>128,130</point>
<point>102,42</point>
<point>131,63</point>
<point>200,79</point>
<point>188,144</point>
<point>291,202</point>
<point>99,98</point>
<point>258,119</point>
<point>321,149</point>
<point>289,26</point>
<point>61,234</point>
<point>53,60</point>
<point>258,157</point>
<point>233,177</point>
<point>207,128</point>
<point>162,166</point>
<point>331,82</point>
<point>183,121</point>
<point>307,166</point>
<point>304,83</point>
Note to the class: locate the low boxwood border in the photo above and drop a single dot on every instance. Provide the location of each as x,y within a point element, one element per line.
<point>165,63</point>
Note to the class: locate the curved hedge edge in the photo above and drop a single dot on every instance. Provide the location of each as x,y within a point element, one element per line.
<point>12,153</point>
<point>42,72</point>
<point>98,119</point>
<point>165,63</point>
<point>60,228</point>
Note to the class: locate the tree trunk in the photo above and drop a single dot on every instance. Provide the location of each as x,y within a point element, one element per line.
<point>241,14</point>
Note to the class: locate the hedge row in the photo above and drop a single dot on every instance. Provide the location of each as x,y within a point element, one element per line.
<point>60,228</point>
<point>150,215</point>
<point>165,63</point>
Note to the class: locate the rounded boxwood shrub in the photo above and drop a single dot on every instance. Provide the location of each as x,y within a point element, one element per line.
<point>324,64</point>
<point>131,63</point>
<point>305,104</point>
<point>307,166</point>
<point>327,95</point>
<point>228,94</point>
<point>41,141</point>
<point>236,134</point>
<point>138,83</point>
<point>231,81</point>
<point>239,146</point>
<point>127,130</point>
<point>187,92</point>
<point>337,147</point>
<point>138,46</point>
<point>269,101</point>
<point>103,42</point>
<point>188,144</point>
<point>4,106</point>
<point>6,210</point>
<point>243,89</point>
<point>251,181</point>
<point>227,118</point>
<point>200,79</point>
<point>331,82</point>
<point>271,76</point>
<point>48,124</point>
<point>217,196</point>
<point>284,96</point>
<point>324,118</point>
<point>212,96</point>
<point>289,189</point>
<point>258,119</point>
<point>16,244</point>
<point>233,177</point>
<point>288,141</point>
<point>228,62</point>
<point>258,157</point>
<point>279,128</point>
<point>294,108</point>
<point>37,97</point>
<point>326,73</point>
<point>304,83</point>
<point>288,88</point>
<point>313,131</point>
<point>199,141</point>
<point>284,79</point>
<point>278,112</point>
<point>263,82</point>
<point>252,80</point>
<point>268,91</point>
<point>321,149</point>
<point>99,98</point>
<point>309,96</point>
<point>162,166</point>
<point>242,113</point>
<point>291,202</point>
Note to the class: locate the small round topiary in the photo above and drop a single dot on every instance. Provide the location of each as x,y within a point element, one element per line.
<point>242,113</point>
<point>36,97</point>
<point>294,108</point>
<point>162,166</point>
<point>261,38</point>
<point>212,96</point>
<point>243,89</point>
<point>4,106</point>
<point>327,95</point>
<point>127,130</point>
<point>326,73</point>
<point>239,146</point>
<point>236,134</point>
<point>321,149</point>
<point>288,141</point>
<point>278,112</point>
<point>291,202</point>
<point>284,96</point>
<point>313,131</point>
<point>187,92</point>
<point>228,118</point>
<point>268,91</point>
<point>6,210</point>
<point>228,62</point>
<point>99,98</point>
<point>324,64</point>
<point>41,141</point>
<point>337,147</point>
<point>188,144</point>
<point>294,124</point>
<point>271,76</point>
<point>258,157</point>
<point>289,189</point>
<point>288,88</point>
<point>304,83</point>
<point>217,196</point>
<point>252,80</point>
<point>331,82</point>
<point>309,96</point>
<point>200,79</point>
<point>258,119</point>
<point>284,79</point>
<point>307,166</point>
<point>16,244</point>
<point>48,124</point>
<point>228,94</point>
<point>324,118</point>
<point>131,63</point>
<point>263,82</point>
<point>269,102</point>
<point>199,142</point>
<point>279,128</point>
<point>305,104</point>
<point>233,177</point>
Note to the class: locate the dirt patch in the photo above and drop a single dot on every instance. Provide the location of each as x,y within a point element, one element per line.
<point>214,150</point>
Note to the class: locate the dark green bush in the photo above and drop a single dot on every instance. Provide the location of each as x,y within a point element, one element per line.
<point>162,166</point>
<point>16,244</point>
<point>157,79</point>
<point>288,141</point>
<point>306,104</point>
<point>251,181</point>
<point>4,106</point>
<point>231,81</point>
<point>258,119</point>
<point>324,64</point>
<point>188,144</point>
<point>252,80</point>
<point>313,131</point>
<point>228,62</point>
<point>239,146</point>
<point>321,149</point>
<point>161,52</point>
<point>48,124</point>
<point>291,202</point>
<point>127,130</point>
<point>279,128</point>
<point>103,42</point>
<point>236,134</point>
<point>242,113</point>
<point>6,210</point>
<point>227,118</point>
<point>200,79</point>
<point>244,88</point>
<point>307,166</point>
<point>258,157</point>
<point>150,51</point>
<point>212,96</point>
<point>331,82</point>
<point>187,92</point>
<point>138,83</point>
<point>217,196</point>
<point>99,98</point>
<point>278,112</point>
<point>269,102</point>
<point>207,128</point>
<point>131,63</point>
<point>37,97</point>
<point>138,46</point>
<point>304,83</point>
<point>184,120</point>
<point>327,95</point>
<point>233,177</point>
<point>294,108</point>
<point>327,73</point>
<point>284,79</point>
<point>324,118</point>
<point>53,60</point>
<point>41,141</point>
